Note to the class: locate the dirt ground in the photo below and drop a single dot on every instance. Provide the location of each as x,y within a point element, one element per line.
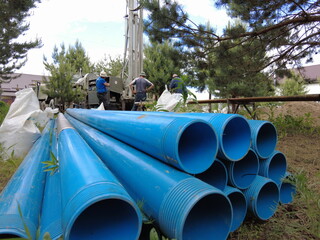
<point>299,109</point>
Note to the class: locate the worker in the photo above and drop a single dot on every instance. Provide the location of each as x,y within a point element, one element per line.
<point>143,86</point>
<point>102,83</point>
<point>176,84</point>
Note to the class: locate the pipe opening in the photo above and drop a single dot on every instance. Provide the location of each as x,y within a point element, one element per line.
<point>107,219</point>
<point>9,236</point>
<point>277,168</point>
<point>267,201</point>
<point>236,138</point>
<point>197,148</point>
<point>266,140</point>
<point>239,207</point>
<point>287,191</point>
<point>245,171</point>
<point>216,175</point>
<point>209,218</point>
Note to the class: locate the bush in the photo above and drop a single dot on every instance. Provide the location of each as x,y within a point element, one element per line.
<point>4,108</point>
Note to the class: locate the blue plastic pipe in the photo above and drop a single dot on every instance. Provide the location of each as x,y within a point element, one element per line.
<point>239,206</point>
<point>25,191</point>
<point>287,189</point>
<point>274,167</point>
<point>264,137</point>
<point>233,131</point>
<point>94,204</point>
<point>190,145</point>
<point>262,198</point>
<point>183,206</point>
<point>242,173</point>
<point>216,175</point>
<point>50,221</point>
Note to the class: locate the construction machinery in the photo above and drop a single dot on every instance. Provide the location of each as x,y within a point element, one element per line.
<point>119,94</point>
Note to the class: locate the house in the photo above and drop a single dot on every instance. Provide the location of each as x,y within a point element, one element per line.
<point>8,90</point>
<point>311,75</point>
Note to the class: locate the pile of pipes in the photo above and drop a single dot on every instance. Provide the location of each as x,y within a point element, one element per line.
<point>192,175</point>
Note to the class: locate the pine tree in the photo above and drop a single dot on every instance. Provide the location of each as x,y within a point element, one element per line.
<point>62,71</point>
<point>13,53</point>
<point>161,61</point>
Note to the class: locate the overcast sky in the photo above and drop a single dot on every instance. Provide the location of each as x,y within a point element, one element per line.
<point>97,24</point>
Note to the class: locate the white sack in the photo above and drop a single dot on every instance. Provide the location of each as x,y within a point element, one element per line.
<point>19,129</point>
<point>168,101</point>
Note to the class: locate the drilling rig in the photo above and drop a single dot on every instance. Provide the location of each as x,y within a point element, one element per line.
<point>119,94</point>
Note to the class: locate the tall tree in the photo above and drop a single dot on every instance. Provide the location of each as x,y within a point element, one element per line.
<point>161,61</point>
<point>13,52</point>
<point>79,59</point>
<point>112,66</point>
<point>288,29</point>
<point>234,68</point>
<point>62,70</point>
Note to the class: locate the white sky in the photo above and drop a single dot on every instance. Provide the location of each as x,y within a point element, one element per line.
<point>97,24</point>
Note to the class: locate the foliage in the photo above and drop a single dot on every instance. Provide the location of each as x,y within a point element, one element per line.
<point>235,68</point>
<point>112,66</point>
<point>52,165</point>
<point>78,58</point>
<point>287,29</point>
<point>293,86</point>
<point>62,70</point>
<point>161,61</point>
<point>290,27</point>
<point>13,53</point>
<point>4,108</point>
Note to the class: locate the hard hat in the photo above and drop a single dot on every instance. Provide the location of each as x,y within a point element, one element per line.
<point>174,75</point>
<point>142,74</point>
<point>103,74</point>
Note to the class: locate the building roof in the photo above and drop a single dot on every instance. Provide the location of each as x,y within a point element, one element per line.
<point>21,81</point>
<point>310,73</point>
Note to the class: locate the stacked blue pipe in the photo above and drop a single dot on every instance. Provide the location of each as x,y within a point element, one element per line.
<point>50,221</point>
<point>287,189</point>
<point>274,167</point>
<point>188,144</point>
<point>262,198</point>
<point>183,206</point>
<point>94,204</point>
<point>233,130</point>
<point>264,137</point>
<point>239,206</point>
<point>21,199</point>
<point>216,175</point>
<point>242,173</point>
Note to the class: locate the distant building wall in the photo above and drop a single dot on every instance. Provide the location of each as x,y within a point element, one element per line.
<point>22,81</point>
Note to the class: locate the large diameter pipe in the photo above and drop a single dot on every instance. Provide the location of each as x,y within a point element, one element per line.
<point>216,175</point>
<point>242,173</point>
<point>239,206</point>
<point>24,191</point>
<point>183,206</point>
<point>274,167</point>
<point>287,189</point>
<point>94,204</point>
<point>262,197</point>
<point>264,137</point>
<point>233,131</point>
<point>188,144</point>
<point>50,221</point>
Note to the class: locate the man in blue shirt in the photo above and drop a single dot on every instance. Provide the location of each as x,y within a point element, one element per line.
<point>102,83</point>
<point>176,84</point>
<point>143,85</point>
